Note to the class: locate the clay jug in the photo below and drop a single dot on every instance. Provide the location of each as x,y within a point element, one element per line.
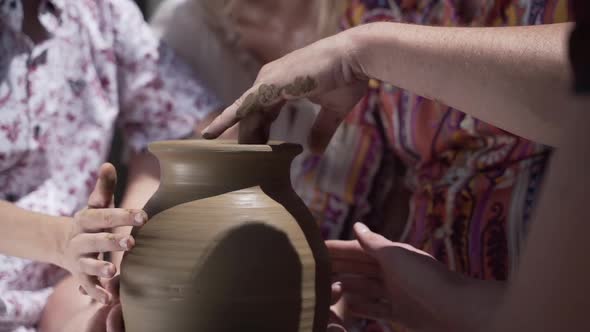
<point>229,245</point>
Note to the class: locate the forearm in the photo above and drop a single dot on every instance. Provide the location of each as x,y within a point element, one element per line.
<point>31,235</point>
<point>142,184</point>
<point>143,181</point>
<point>439,299</point>
<point>471,305</point>
<point>515,78</point>
<point>550,290</point>
<point>66,308</point>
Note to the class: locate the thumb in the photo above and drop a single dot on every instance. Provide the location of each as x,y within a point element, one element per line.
<point>371,242</point>
<point>324,127</point>
<point>336,105</point>
<point>102,195</point>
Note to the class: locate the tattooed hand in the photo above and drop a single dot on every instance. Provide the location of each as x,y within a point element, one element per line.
<point>325,72</point>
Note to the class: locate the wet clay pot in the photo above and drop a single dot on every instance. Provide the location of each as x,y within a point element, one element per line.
<point>229,245</point>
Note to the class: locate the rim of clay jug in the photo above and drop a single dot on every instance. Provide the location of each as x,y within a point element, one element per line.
<point>223,146</point>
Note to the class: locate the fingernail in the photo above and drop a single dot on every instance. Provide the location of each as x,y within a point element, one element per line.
<point>124,243</point>
<point>361,228</point>
<point>139,219</point>
<point>106,271</point>
<point>206,134</point>
<point>82,290</point>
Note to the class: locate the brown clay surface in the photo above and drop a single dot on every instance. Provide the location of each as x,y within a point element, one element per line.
<point>230,247</point>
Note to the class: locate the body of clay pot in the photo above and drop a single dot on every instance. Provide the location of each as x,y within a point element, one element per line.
<point>228,247</point>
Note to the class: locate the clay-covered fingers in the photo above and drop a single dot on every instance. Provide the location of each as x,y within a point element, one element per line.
<point>97,220</point>
<point>223,122</point>
<point>89,285</point>
<point>323,71</point>
<point>87,268</point>
<point>96,267</point>
<point>261,101</point>
<point>102,195</point>
<point>92,243</point>
<point>264,99</point>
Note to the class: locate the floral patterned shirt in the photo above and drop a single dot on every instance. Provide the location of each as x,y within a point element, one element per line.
<point>60,100</point>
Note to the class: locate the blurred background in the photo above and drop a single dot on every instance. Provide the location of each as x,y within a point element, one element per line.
<point>117,154</point>
<point>148,6</point>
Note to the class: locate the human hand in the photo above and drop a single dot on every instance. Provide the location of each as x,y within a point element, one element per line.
<point>107,318</point>
<point>230,134</point>
<point>335,323</point>
<point>114,321</point>
<point>88,235</point>
<point>388,281</point>
<point>326,72</point>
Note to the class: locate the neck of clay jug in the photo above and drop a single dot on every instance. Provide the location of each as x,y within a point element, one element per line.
<point>191,170</point>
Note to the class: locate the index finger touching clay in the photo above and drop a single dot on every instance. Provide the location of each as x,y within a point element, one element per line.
<point>259,99</point>
<point>96,220</point>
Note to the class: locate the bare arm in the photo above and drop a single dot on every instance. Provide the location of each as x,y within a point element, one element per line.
<point>391,281</point>
<point>32,235</point>
<point>72,243</point>
<point>514,77</point>
<point>143,181</point>
<point>550,291</point>
<point>69,311</point>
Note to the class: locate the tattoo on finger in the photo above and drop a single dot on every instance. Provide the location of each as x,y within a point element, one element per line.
<point>269,94</point>
<point>301,86</point>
